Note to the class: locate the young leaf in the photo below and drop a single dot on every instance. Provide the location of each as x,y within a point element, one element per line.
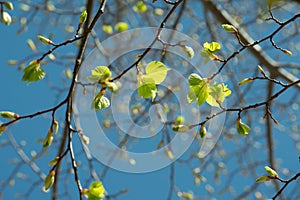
<point>179,120</point>
<point>212,47</point>
<point>217,93</point>
<point>198,89</point>
<point>169,153</point>
<point>100,102</point>
<point>9,115</point>
<point>49,180</point>
<point>44,40</point>
<point>158,11</point>
<point>85,139</point>
<point>31,45</point>
<point>96,191</point>
<point>55,126</point>
<point>5,18</point>
<point>140,7</point>
<point>146,87</point>
<point>9,5</point>
<point>202,131</point>
<point>33,72</point>
<point>156,71</point>
<point>262,179</point>
<point>121,26</point>
<point>245,81</point>
<point>190,51</point>
<point>287,52</point>
<point>107,29</point>
<point>2,128</point>
<point>242,128</point>
<point>83,17</point>
<point>271,171</point>
<point>100,74</point>
<point>54,161</point>
<point>112,86</point>
<point>261,70</point>
<point>48,140</point>
<point>229,28</point>
<point>181,128</point>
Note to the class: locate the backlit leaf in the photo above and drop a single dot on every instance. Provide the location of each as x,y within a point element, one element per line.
<point>156,71</point>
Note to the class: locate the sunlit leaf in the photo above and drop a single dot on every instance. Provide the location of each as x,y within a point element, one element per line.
<point>49,180</point>
<point>96,191</point>
<point>202,131</point>
<point>121,26</point>
<point>212,47</point>
<point>5,18</point>
<point>156,71</point>
<point>33,72</point>
<point>140,7</point>
<point>245,81</point>
<point>229,28</point>
<point>100,102</point>
<point>198,89</point>
<point>262,179</point>
<point>190,51</point>
<point>242,128</point>
<point>100,74</point>
<point>9,5</point>
<point>107,29</point>
<point>271,171</point>
<point>48,140</point>
<point>217,93</point>
<point>9,115</point>
<point>146,87</point>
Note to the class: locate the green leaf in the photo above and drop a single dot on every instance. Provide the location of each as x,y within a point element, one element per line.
<point>107,29</point>
<point>49,180</point>
<point>229,28</point>
<point>146,87</point>
<point>212,47</point>
<point>85,139</point>
<point>48,140</point>
<point>156,71</point>
<point>83,17</point>
<point>287,52</point>
<point>44,40</point>
<point>55,126</point>
<point>158,11</point>
<point>194,79</point>
<point>271,171</point>
<point>121,26</point>
<point>100,102</point>
<point>179,120</point>
<point>9,5</point>
<point>54,161</point>
<point>180,128</point>
<point>5,18</point>
<point>9,115</point>
<point>198,89</point>
<point>140,7</point>
<point>202,131</point>
<point>262,179</point>
<point>2,128</point>
<point>217,93</point>
<point>245,81</point>
<point>96,191</point>
<point>33,72</point>
<point>100,74</point>
<point>112,86</point>
<point>190,51</point>
<point>242,128</point>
